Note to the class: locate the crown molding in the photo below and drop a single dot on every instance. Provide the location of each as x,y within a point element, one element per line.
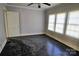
<point>26,7</point>
<point>39,9</point>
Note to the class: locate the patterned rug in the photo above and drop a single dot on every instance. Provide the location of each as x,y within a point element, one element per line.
<point>16,48</point>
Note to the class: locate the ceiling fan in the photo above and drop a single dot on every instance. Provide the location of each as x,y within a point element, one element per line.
<point>39,4</point>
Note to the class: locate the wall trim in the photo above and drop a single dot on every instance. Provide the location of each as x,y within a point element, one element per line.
<point>32,34</point>
<point>26,7</point>
<point>2,46</point>
<point>29,34</point>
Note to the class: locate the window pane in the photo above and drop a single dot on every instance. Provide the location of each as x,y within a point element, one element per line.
<point>73,27</point>
<point>51,27</point>
<point>73,34</point>
<point>51,18</point>
<point>59,28</point>
<point>51,22</point>
<point>60,18</point>
<point>73,17</point>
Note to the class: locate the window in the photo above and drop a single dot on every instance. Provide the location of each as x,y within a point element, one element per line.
<point>73,24</point>
<point>60,20</point>
<point>51,22</point>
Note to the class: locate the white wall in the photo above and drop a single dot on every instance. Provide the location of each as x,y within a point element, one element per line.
<point>2,30</point>
<point>31,21</point>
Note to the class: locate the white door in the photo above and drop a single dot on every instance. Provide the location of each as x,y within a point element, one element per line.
<point>13,24</point>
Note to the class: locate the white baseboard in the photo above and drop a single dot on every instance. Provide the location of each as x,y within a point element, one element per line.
<point>2,46</point>
<point>31,34</point>
<point>51,36</point>
<point>28,34</point>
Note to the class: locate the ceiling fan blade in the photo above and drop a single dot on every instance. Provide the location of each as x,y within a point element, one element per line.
<point>29,4</point>
<point>47,4</point>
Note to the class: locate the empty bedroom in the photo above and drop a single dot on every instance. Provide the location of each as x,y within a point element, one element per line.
<point>39,29</point>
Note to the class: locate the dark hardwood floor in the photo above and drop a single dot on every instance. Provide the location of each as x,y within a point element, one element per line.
<point>36,45</point>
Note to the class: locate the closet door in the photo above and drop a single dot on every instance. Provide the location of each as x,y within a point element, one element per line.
<point>13,24</point>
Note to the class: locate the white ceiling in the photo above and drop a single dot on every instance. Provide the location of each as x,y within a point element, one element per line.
<point>34,6</point>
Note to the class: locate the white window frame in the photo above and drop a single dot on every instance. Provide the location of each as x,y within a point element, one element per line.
<point>65,24</point>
